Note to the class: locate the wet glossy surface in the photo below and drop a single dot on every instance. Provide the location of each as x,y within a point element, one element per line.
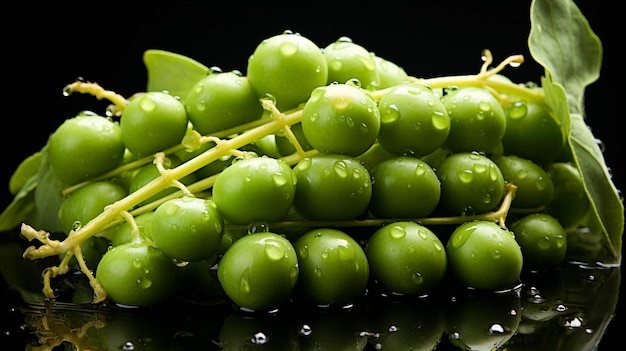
<point>571,308</point>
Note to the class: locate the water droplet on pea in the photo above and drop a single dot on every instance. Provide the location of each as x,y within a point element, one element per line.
<point>390,114</point>
<point>148,104</point>
<point>288,48</point>
<point>465,175</point>
<point>468,211</point>
<point>341,169</point>
<point>244,283</point>
<point>304,252</point>
<point>417,278</point>
<point>517,110</point>
<point>544,243</point>
<point>172,209</point>
<point>274,250</point>
<point>496,254</point>
<point>440,120</point>
<point>258,227</point>
<point>487,198</point>
<point>324,254</point>
<point>345,253</point>
<point>279,179</point>
<point>144,282</point>
<point>201,105</point>
<point>497,329</point>
<point>317,271</point>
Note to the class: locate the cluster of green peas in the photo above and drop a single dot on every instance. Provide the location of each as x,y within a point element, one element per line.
<point>260,201</point>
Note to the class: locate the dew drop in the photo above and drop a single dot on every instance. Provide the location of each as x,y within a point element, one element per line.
<point>258,227</point>
<point>344,253</point>
<point>517,110</point>
<point>288,48</point>
<point>304,164</point>
<point>391,114</point>
<point>244,283</point>
<point>305,330</point>
<point>544,243</point>
<point>468,211</point>
<point>317,271</point>
<point>365,129</point>
<point>144,282</point>
<point>440,120</point>
<point>340,169</point>
<point>397,232</point>
<point>574,321</point>
<point>279,179</point>
<point>259,339</point>
<point>417,278</point>
<point>148,104</point>
<point>350,122</point>
<point>304,252</point>
<point>560,308</point>
<point>480,168</point>
<point>465,175</point>
<point>420,170</point>
<point>324,254</point>
<point>497,329</point>
<point>487,198</point>
<point>494,173</point>
<point>496,254</point>
<point>274,250</point>
<point>601,145</point>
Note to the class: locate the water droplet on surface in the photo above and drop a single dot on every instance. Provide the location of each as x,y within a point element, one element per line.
<point>259,339</point>
<point>305,330</point>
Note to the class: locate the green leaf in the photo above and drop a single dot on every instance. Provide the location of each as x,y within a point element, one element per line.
<point>25,170</point>
<point>20,207</point>
<point>22,185</point>
<point>562,42</point>
<point>38,200</point>
<point>175,73</point>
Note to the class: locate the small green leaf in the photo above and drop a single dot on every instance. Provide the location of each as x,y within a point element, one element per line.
<point>175,73</point>
<point>562,41</point>
<point>25,170</point>
<point>20,207</point>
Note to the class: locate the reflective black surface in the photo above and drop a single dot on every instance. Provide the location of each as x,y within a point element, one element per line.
<point>104,43</point>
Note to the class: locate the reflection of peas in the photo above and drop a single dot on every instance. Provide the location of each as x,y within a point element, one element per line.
<point>416,325</point>
<point>543,300</point>
<point>199,282</point>
<point>332,330</point>
<point>258,332</point>
<point>483,321</point>
<point>133,329</point>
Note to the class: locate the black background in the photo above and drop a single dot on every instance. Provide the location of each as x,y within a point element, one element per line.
<point>48,46</point>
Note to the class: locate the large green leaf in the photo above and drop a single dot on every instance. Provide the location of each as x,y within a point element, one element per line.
<point>563,43</point>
